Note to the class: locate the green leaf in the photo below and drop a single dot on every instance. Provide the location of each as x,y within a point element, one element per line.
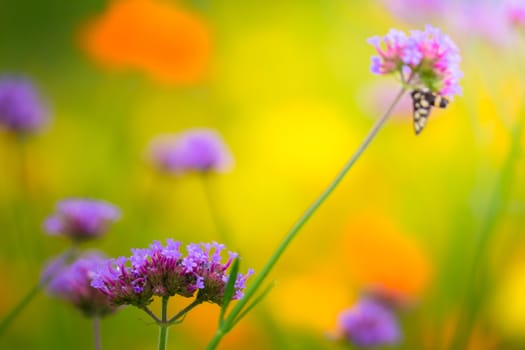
<point>229,290</point>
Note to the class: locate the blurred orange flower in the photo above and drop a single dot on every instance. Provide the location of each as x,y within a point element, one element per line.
<point>170,44</point>
<point>379,256</point>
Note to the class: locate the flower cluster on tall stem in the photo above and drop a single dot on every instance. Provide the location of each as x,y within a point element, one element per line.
<point>424,59</point>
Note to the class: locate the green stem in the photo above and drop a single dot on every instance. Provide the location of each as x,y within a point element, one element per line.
<point>184,311</point>
<point>96,333</point>
<point>163,334</point>
<point>10,317</point>
<point>151,314</point>
<point>23,177</point>
<point>213,209</point>
<point>474,288</point>
<point>225,327</point>
<point>19,307</point>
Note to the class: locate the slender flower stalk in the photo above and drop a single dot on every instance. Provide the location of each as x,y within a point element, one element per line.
<point>163,326</point>
<point>151,314</point>
<point>425,60</point>
<point>258,281</point>
<point>213,209</point>
<point>97,339</point>
<point>42,283</point>
<point>183,312</point>
<point>475,284</point>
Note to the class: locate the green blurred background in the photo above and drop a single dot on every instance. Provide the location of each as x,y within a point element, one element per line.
<point>287,84</point>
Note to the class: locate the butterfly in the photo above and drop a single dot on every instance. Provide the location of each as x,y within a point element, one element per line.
<point>422,101</point>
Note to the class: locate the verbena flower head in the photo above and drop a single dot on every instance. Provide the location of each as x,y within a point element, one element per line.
<point>81,219</point>
<point>369,324</point>
<point>21,108</point>
<point>166,271</point>
<point>200,150</point>
<point>426,58</point>
<point>73,284</point>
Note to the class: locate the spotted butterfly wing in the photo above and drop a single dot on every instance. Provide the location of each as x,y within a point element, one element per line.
<point>422,101</point>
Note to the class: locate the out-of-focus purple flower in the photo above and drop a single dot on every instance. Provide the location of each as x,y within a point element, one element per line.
<point>21,108</point>
<point>426,58</point>
<point>199,150</point>
<point>369,324</point>
<point>468,20</point>
<point>165,271</point>
<point>73,284</point>
<point>417,11</point>
<point>482,21</point>
<point>81,219</point>
<point>515,12</point>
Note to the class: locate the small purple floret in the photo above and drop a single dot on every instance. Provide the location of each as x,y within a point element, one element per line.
<point>165,271</point>
<point>369,324</point>
<point>196,150</point>
<point>81,219</point>
<point>21,108</point>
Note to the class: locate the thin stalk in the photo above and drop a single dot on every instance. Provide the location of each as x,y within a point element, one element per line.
<point>19,307</point>
<point>184,311</point>
<point>96,333</point>
<point>151,314</point>
<point>23,177</point>
<point>163,334</point>
<point>222,330</point>
<point>11,315</point>
<point>213,209</point>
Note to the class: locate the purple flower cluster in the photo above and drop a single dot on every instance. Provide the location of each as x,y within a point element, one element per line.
<point>73,283</point>
<point>165,271</point>
<point>426,58</point>
<point>21,108</point>
<point>199,150</point>
<point>369,324</point>
<point>81,219</point>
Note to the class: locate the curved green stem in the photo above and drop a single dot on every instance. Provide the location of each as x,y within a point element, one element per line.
<point>227,324</point>
<point>474,288</point>
<point>184,311</point>
<point>10,317</point>
<point>151,314</point>
<point>163,334</point>
<point>19,307</point>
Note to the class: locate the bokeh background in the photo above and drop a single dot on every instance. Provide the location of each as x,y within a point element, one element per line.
<point>287,85</point>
